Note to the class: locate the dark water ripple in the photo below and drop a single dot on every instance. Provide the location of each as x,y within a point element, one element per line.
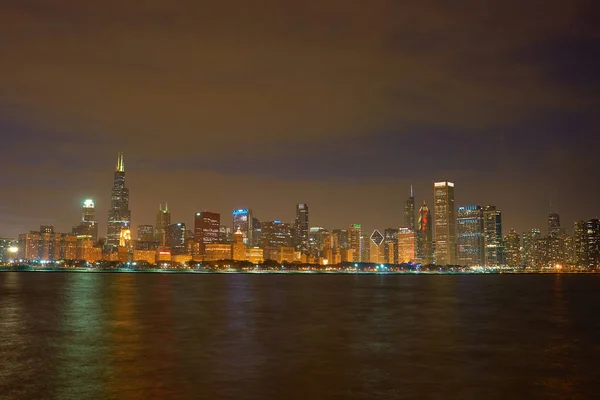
<point>167,336</point>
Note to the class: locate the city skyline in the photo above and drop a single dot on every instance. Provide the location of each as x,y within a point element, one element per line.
<point>189,218</point>
<point>341,106</point>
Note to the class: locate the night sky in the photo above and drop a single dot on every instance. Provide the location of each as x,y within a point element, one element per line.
<point>264,104</point>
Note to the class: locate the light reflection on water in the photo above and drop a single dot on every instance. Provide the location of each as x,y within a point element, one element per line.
<point>156,336</point>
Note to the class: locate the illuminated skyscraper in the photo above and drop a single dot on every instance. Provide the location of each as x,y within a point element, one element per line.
<point>119,215</point>
<point>580,243</point>
<point>88,225</point>
<point>175,237</point>
<point>554,224</point>
<point>530,254</point>
<point>593,243</point>
<point>238,247</point>
<point>492,234</point>
<point>276,234</point>
<point>354,238</point>
<point>376,247</point>
<point>409,212</point>
<point>163,220</point>
<point>512,249</point>
<point>391,245</point>
<point>301,229</point>
<point>424,238</point>
<point>342,237</point>
<point>470,236</point>
<point>256,232</point>
<point>206,228</point>
<point>145,233</point>
<point>406,245</point>
<point>445,223</point>
<point>242,220</point>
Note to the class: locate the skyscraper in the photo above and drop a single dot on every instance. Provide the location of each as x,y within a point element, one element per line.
<point>88,225</point>
<point>119,215</point>
<point>163,220</point>
<point>175,238</point>
<point>424,237</point>
<point>376,247</point>
<point>553,224</point>
<point>206,228</point>
<point>276,234</point>
<point>492,234</point>
<point>512,250</point>
<point>301,228</point>
<point>354,241</point>
<point>409,212</point>
<point>593,243</point>
<point>406,245</point>
<point>530,254</point>
<point>470,236</point>
<point>445,223</point>
<point>391,245</point>
<point>242,220</point>
<point>580,243</point>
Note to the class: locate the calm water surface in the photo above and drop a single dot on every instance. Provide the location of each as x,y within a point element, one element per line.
<point>175,336</point>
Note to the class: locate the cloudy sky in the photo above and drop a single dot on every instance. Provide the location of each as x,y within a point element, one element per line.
<point>264,104</point>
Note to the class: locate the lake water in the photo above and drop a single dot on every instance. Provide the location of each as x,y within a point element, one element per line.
<point>236,336</point>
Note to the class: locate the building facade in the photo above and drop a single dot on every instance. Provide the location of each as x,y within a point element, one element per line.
<point>445,223</point>
<point>119,215</point>
<point>470,236</point>
<point>492,233</point>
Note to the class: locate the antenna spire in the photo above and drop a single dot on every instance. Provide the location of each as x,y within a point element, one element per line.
<point>411,191</point>
<point>120,163</point>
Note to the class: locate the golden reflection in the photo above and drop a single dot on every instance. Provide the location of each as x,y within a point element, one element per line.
<point>125,340</point>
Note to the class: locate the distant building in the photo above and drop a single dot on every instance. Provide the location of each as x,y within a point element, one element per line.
<point>354,241</point>
<point>342,237</point>
<point>206,229</point>
<point>46,245</point>
<point>239,247</point>
<point>376,247</point>
<point>317,240</point>
<point>8,249</point>
<point>255,255</point>
<point>176,238</point>
<point>390,244</point>
<point>593,243</point>
<point>217,251</point>
<point>242,220</point>
<point>580,243</point>
<point>163,220</point>
<point>470,236</point>
<point>445,223</point>
<point>409,212</point>
<point>530,248</point>
<point>406,245</point>
<point>301,229</point>
<point>119,215</point>
<point>225,235</point>
<point>145,255</point>
<point>276,234</point>
<point>280,254</point>
<point>512,249</point>
<point>554,225</point>
<point>492,234</point>
<point>88,225</point>
<point>256,232</point>
<point>424,237</point>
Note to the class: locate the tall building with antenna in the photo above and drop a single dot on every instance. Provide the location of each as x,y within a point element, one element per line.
<point>163,220</point>
<point>119,215</point>
<point>409,211</point>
